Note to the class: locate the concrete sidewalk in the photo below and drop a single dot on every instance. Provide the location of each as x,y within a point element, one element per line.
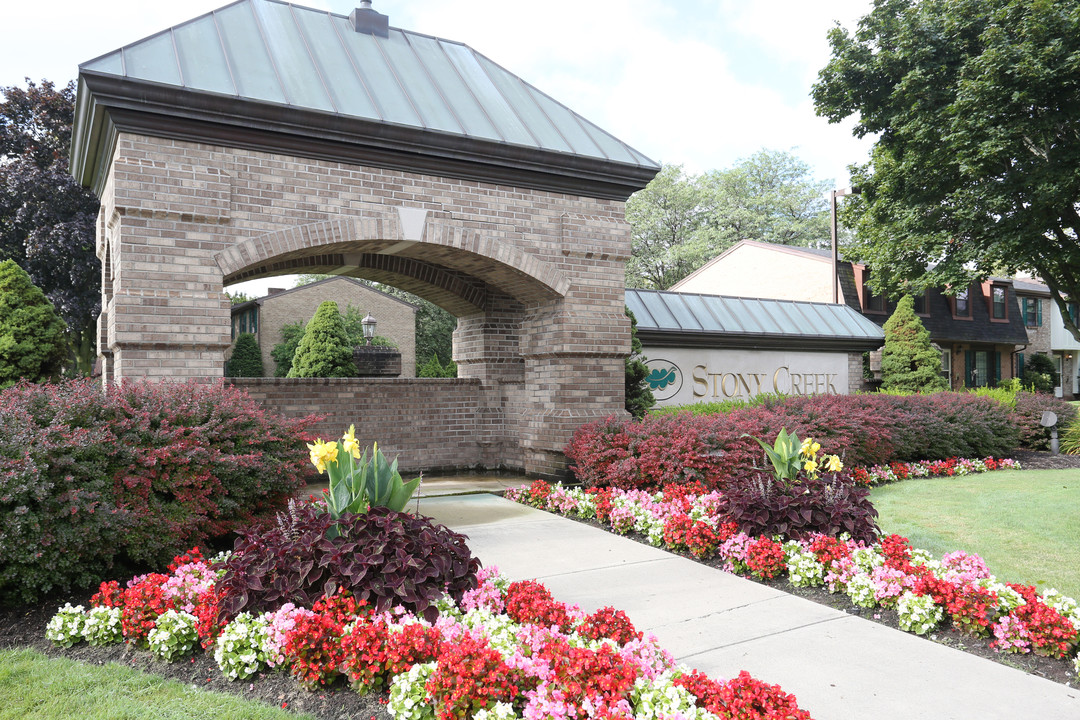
<point>839,666</point>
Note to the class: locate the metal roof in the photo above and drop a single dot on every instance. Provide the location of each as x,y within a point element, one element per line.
<point>674,318</point>
<point>278,54</point>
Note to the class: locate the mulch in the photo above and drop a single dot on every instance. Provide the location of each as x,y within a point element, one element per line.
<point>1043,460</point>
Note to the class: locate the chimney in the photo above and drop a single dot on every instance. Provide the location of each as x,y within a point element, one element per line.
<point>274,291</point>
<point>365,20</point>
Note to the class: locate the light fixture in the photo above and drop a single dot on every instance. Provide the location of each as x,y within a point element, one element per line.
<point>368,323</point>
<point>833,194</point>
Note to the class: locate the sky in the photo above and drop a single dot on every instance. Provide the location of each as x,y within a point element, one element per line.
<point>697,83</point>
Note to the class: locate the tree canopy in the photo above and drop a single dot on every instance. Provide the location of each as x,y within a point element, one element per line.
<point>46,218</point>
<point>31,333</point>
<point>680,221</point>
<point>976,168</point>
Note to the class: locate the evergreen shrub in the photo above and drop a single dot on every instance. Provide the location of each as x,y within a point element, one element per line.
<point>135,475</point>
<point>32,344</point>
<point>908,361</point>
<point>325,350</point>
<point>246,360</point>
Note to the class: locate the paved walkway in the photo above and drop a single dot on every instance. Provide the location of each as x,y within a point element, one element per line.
<point>839,666</point>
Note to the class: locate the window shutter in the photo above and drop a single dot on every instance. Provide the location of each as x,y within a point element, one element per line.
<point>1020,365</point>
<point>969,366</point>
<point>996,368</point>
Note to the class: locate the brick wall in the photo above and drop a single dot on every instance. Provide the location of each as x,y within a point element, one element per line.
<point>396,318</point>
<point>427,423</point>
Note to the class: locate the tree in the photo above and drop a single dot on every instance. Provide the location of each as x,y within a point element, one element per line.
<point>638,397</point>
<point>32,344</point>
<point>353,320</point>
<point>680,221</point>
<point>1040,373</point>
<point>46,218</point>
<point>908,361</point>
<point>246,360</point>
<point>666,220</point>
<point>770,197</point>
<point>283,352</point>
<point>435,369</point>
<point>977,163</point>
<point>324,350</point>
<point>237,298</point>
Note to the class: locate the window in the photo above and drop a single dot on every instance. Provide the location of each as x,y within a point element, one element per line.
<point>946,362</point>
<point>999,310</point>
<point>871,302</point>
<point>1073,314</point>
<point>962,304</point>
<point>919,303</point>
<point>1033,312</point>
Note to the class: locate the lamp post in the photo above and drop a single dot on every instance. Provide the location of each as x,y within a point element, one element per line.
<point>368,324</point>
<point>833,194</point>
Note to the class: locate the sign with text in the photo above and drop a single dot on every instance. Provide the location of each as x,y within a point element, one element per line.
<point>682,376</point>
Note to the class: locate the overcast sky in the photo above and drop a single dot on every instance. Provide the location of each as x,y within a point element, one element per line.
<point>701,83</point>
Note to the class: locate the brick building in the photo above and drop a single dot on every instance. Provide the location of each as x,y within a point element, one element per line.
<point>265,316</point>
<point>266,139</point>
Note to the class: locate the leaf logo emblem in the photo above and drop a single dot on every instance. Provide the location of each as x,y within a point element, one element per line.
<point>660,378</point>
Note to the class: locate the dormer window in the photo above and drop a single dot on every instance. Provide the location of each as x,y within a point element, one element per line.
<point>999,308</point>
<point>871,303</point>
<point>962,304</point>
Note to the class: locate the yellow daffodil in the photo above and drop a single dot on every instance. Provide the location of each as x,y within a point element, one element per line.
<point>322,453</point>
<point>348,441</point>
<point>805,449</point>
<point>810,467</point>
<point>833,464</point>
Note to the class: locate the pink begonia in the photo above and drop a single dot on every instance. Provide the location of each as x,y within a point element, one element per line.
<point>282,621</point>
<point>621,519</point>
<point>647,654</point>
<point>561,501</point>
<point>484,596</point>
<point>889,584</point>
<point>839,574</point>
<point>1011,635</point>
<point>962,567</point>
<point>187,583</point>
<point>733,552</point>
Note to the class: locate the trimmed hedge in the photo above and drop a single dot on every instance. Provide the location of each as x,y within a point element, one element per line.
<point>135,475</point>
<point>861,429</point>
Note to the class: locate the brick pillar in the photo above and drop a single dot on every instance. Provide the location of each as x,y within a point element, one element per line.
<point>487,348</point>
<point>574,374</point>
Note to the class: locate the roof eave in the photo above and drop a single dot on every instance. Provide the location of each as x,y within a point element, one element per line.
<point>114,104</point>
<point>748,341</point>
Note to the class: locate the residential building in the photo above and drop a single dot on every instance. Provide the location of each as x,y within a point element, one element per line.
<point>1047,334</point>
<point>980,329</point>
<point>266,316</point>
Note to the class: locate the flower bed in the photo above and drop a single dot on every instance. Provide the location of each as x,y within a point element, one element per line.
<point>507,650</point>
<point>925,592</point>
<point>893,472</point>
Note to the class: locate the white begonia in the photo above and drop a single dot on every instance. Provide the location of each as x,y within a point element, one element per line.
<point>408,697</point>
<point>918,613</point>
<point>1064,604</point>
<point>240,650</point>
<point>861,591</point>
<point>102,626</point>
<point>66,626</point>
<point>501,711</point>
<point>804,570</point>
<point>660,698</point>
<point>173,635</point>
<point>866,559</point>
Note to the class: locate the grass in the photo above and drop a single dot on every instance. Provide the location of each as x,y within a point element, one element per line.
<point>1025,524</point>
<point>34,686</point>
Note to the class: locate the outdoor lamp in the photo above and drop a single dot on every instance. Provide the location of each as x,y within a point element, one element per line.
<point>833,194</point>
<point>368,323</point>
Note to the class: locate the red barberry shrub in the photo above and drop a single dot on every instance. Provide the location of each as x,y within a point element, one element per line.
<point>714,450</point>
<point>137,473</point>
<point>384,558</point>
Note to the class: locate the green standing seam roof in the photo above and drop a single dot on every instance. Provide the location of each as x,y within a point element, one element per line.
<point>275,52</point>
<point>719,317</point>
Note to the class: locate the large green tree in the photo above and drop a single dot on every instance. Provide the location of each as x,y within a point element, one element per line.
<point>976,167</point>
<point>680,221</point>
<point>666,220</point>
<point>324,350</point>
<point>46,218</point>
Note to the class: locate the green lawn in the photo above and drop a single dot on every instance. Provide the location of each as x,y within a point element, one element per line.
<point>1024,523</point>
<point>34,686</point>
